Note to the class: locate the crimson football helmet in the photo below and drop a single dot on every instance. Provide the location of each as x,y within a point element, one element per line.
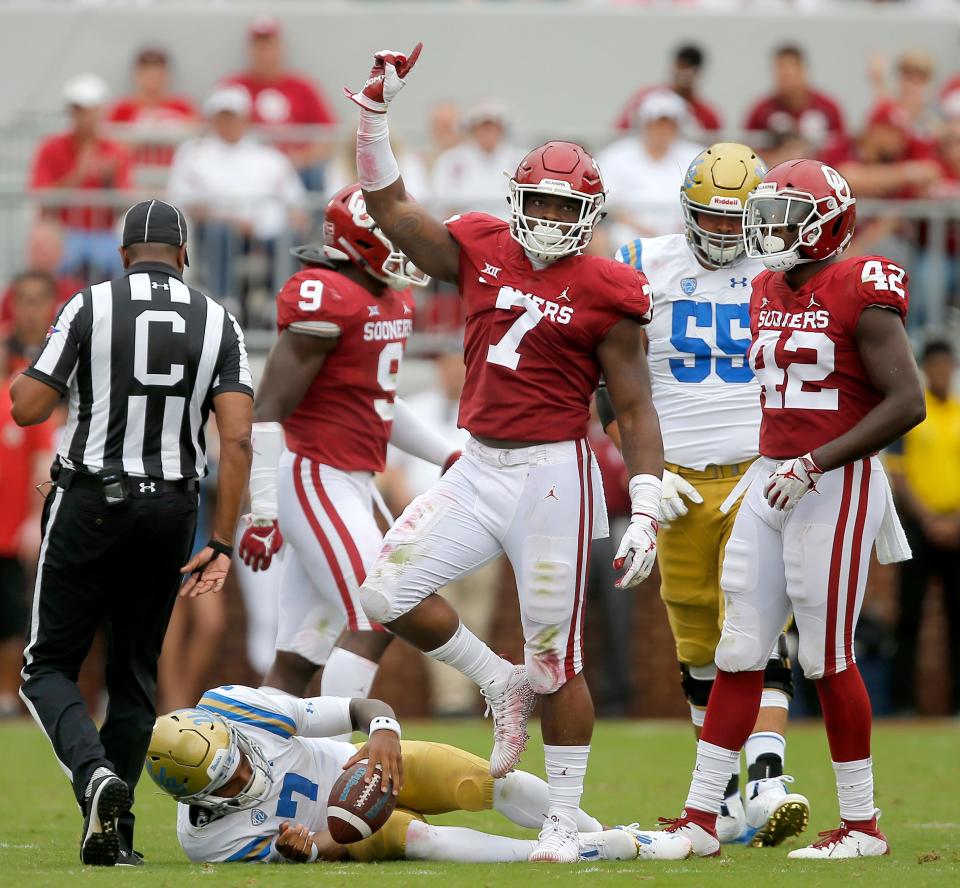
<point>564,169</point>
<point>351,234</point>
<point>801,196</point>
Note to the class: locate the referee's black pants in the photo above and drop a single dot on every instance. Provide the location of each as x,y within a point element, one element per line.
<point>117,566</point>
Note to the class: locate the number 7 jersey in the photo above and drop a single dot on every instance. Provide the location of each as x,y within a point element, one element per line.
<point>813,384</point>
<point>345,417</point>
<point>531,335</point>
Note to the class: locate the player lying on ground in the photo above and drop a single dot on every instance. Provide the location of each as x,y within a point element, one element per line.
<point>252,772</point>
<point>324,413</point>
<point>838,382</point>
<point>542,320</point>
<point>708,401</point>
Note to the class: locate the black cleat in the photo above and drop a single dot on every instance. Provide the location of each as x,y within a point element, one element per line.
<point>100,845</point>
<point>129,858</point>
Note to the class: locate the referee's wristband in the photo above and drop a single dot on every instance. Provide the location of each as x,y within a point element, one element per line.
<point>384,723</point>
<point>220,548</point>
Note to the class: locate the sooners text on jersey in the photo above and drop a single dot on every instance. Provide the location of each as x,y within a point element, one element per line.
<point>531,335</point>
<point>346,415</point>
<point>813,384</point>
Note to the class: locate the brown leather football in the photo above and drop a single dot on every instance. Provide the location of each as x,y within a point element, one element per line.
<point>355,809</point>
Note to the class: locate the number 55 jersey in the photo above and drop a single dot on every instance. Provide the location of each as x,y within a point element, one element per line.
<point>703,388</point>
<point>814,385</point>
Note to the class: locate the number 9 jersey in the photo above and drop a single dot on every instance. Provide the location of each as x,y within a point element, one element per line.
<point>814,386</point>
<point>532,333</point>
<point>345,417</point>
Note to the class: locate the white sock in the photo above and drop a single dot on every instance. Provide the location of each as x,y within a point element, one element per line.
<point>525,800</point>
<point>468,654</point>
<point>455,844</point>
<point>855,789</point>
<point>711,776</point>
<point>349,675</point>
<point>566,768</point>
<point>763,743</point>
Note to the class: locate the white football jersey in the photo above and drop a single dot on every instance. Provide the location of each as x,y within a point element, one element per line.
<point>703,388</point>
<point>293,735</point>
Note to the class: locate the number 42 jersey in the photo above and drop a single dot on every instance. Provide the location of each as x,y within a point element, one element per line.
<point>814,385</point>
<point>705,393</point>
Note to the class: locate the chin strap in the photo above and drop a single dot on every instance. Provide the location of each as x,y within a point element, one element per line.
<point>412,435</point>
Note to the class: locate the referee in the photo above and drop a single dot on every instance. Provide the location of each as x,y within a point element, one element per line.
<point>142,360</point>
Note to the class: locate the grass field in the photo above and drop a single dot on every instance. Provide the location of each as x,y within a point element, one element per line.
<point>638,771</point>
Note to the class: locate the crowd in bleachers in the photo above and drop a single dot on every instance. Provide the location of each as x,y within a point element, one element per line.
<point>251,163</point>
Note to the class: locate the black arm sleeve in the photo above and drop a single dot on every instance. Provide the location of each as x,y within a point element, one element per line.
<point>604,405</point>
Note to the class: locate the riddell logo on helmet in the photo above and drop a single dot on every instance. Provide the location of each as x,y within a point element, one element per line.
<point>556,183</point>
<point>719,201</point>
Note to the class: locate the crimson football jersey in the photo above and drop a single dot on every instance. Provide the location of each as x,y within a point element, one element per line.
<point>804,352</point>
<point>531,336</point>
<point>345,417</point>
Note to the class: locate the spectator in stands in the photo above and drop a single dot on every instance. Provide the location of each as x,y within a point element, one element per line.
<point>444,130</point>
<point>925,470</point>
<point>44,252</point>
<point>470,176</point>
<point>155,116</point>
<point>282,97</point>
<point>25,457</point>
<point>81,158</point>
<point>475,596</point>
<point>685,73</point>
<point>32,303</point>
<point>644,170</point>
<point>912,92</point>
<point>242,194</point>
<point>794,105</point>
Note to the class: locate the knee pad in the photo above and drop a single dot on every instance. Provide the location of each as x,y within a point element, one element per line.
<point>696,685</point>
<point>738,652</point>
<point>376,603</point>
<point>811,661</point>
<point>778,675</point>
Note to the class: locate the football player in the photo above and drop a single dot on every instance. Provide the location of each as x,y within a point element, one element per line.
<point>542,320</point>
<point>838,382</point>
<point>252,772</point>
<point>325,409</point>
<point>707,400</point>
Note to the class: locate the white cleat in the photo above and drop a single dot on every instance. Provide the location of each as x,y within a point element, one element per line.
<point>844,843</point>
<point>703,842</point>
<point>776,814</point>
<point>732,820</point>
<point>558,841</point>
<point>511,709</point>
<point>611,844</point>
<point>657,844</point>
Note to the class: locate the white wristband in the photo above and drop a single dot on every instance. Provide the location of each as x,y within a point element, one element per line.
<point>384,723</point>
<point>376,165</point>
<point>645,492</point>
<point>267,440</point>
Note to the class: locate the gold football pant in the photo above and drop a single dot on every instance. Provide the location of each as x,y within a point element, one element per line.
<point>436,779</point>
<point>690,553</point>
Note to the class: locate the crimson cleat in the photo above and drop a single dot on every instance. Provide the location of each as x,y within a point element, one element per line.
<point>694,826</point>
<point>844,843</point>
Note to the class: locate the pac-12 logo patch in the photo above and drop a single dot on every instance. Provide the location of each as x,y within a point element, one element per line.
<point>257,816</point>
<point>688,285</point>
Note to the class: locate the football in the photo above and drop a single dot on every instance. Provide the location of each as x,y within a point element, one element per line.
<point>355,809</point>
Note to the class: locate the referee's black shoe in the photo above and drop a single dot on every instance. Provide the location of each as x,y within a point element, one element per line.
<point>129,858</point>
<point>109,798</point>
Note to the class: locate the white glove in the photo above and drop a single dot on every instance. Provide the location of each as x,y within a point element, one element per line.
<point>675,488</point>
<point>387,78</point>
<point>790,481</point>
<point>640,540</point>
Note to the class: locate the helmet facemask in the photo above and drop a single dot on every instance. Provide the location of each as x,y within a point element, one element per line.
<point>397,271</point>
<point>716,249</point>
<point>549,240</point>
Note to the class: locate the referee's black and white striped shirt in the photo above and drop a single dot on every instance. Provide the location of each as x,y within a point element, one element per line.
<point>141,358</point>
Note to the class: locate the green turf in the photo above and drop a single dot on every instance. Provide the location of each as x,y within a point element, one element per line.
<point>638,771</point>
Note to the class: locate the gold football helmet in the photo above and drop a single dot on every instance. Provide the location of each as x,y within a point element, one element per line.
<point>193,753</point>
<point>717,184</point>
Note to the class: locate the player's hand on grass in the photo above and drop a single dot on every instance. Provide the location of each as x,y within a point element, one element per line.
<point>790,481</point>
<point>205,572</point>
<point>295,842</point>
<point>382,748</point>
<point>387,77</point>
<point>640,542</point>
<point>675,488</point>
<point>261,540</point>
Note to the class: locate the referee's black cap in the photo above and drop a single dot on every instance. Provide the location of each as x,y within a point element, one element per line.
<point>154,222</point>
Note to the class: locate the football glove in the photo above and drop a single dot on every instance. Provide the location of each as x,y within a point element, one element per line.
<point>790,481</point>
<point>675,488</point>
<point>260,542</point>
<point>387,78</point>
<point>640,540</point>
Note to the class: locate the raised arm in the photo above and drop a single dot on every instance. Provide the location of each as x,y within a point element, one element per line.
<point>422,238</point>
